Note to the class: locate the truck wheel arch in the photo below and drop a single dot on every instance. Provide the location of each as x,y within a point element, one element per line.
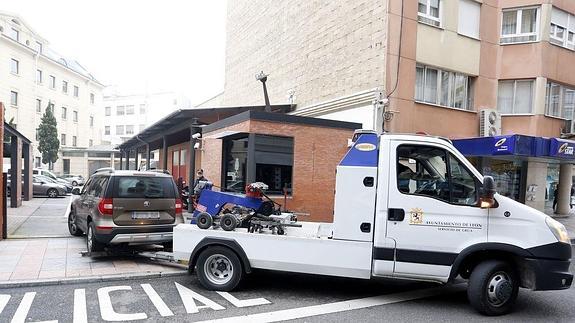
<point>472,255</point>
<point>224,242</point>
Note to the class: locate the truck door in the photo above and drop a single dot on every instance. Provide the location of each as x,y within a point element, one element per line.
<point>433,209</point>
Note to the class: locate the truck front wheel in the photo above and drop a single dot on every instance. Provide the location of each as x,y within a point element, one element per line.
<point>493,287</point>
<point>219,268</point>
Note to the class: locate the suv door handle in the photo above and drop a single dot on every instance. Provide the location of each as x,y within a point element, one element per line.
<point>395,214</point>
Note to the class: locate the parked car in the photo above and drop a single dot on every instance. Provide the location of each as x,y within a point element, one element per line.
<point>75,180</point>
<point>47,173</point>
<point>67,185</point>
<point>125,207</point>
<point>43,185</point>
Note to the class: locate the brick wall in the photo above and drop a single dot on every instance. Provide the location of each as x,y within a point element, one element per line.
<point>321,50</point>
<point>317,151</point>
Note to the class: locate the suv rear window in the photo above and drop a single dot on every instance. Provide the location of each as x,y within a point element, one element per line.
<point>144,187</point>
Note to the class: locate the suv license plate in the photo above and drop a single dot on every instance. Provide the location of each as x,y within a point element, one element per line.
<point>145,215</point>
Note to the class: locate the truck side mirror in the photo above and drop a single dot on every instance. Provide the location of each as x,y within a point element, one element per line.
<point>488,192</point>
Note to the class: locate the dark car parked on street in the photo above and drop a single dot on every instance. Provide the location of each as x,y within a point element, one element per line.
<point>124,208</point>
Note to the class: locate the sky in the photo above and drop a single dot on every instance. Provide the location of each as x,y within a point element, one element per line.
<point>137,45</point>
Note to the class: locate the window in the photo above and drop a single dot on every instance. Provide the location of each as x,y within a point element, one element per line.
<point>129,109</point>
<point>38,105</point>
<point>76,91</point>
<point>428,12</point>
<point>74,141</point>
<point>92,98</point>
<point>37,162</point>
<point>562,32</point>
<point>515,96</point>
<point>142,109</point>
<point>39,76</point>
<point>129,129</point>
<point>469,17</point>
<point>559,101</point>
<point>63,139</point>
<point>91,121</point>
<point>14,66</point>
<point>14,98</point>
<point>144,187</point>
<point>64,86</point>
<point>75,116</point>
<point>444,88</point>
<point>38,46</point>
<point>14,34</point>
<point>519,25</point>
<point>107,130</point>
<point>431,172</point>
<point>119,130</point>
<point>120,110</point>
<point>52,82</point>
<point>108,111</point>
<point>64,113</point>
<point>90,143</point>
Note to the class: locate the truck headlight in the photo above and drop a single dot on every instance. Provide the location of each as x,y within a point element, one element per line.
<point>558,230</point>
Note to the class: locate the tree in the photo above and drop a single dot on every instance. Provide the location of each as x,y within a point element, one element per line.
<point>48,143</point>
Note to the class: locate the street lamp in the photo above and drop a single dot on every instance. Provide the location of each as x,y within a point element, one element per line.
<point>263,78</point>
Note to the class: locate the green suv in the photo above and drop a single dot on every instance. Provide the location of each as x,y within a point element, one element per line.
<point>126,207</point>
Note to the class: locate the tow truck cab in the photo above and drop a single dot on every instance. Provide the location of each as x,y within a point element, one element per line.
<point>409,207</point>
<point>430,218</point>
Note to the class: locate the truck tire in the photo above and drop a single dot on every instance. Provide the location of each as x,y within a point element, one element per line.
<point>204,220</point>
<point>228,222</point>
<point>493,287</point>
<point>92,245</point>
<point>219,268</point>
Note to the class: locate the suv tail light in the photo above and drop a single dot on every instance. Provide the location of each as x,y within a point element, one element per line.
<point>106,206</point>
<point>179,206</point>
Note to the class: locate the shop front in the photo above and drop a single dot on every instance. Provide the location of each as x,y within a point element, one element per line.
<point>527,169</point>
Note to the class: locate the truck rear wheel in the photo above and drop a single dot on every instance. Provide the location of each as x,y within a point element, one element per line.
<point>493,287</point>
<point>219,268</point>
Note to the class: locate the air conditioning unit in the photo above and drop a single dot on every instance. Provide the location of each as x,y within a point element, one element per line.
<point>489,123</point>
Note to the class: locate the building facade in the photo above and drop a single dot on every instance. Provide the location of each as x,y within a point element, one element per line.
<point>126,115</point>
<point>420,66</point>
<point>32,76</point>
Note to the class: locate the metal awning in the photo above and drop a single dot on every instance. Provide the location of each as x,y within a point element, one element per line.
<point>181,120</point>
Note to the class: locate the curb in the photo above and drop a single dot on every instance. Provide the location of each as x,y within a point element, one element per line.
<point>89,279</point>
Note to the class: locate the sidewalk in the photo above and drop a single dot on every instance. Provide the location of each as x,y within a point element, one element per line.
<point>58,258</point>
<point>39,217</point>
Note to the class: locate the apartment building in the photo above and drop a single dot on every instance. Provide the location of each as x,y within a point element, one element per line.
<point>32,75</point>
<point>125,115</point>
<point>426,66</point>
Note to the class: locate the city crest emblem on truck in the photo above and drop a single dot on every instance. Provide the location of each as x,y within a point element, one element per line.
<point>416,216</point>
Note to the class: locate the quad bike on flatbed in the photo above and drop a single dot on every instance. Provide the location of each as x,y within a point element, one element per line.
<point>254,211</point>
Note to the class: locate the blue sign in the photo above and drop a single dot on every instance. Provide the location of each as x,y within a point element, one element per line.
<point>503,145</point>
<point>562,148</point>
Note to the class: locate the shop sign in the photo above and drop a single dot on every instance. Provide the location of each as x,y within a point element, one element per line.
<point>562,148</point>
<point>503,145</point>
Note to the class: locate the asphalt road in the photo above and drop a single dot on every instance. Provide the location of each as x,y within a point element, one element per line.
<point>265,297</point>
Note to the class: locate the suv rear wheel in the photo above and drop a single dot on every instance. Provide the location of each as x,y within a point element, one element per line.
<point>72,226</point>
<point>92,245</point>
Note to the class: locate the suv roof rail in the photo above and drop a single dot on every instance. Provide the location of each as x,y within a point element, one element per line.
<point>163,171</point>
<point>105,169</point>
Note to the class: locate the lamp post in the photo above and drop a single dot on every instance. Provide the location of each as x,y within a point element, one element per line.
<point>263,78</point>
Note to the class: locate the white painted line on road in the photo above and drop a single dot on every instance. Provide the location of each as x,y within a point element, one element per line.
<point>3,301</point>
<point>23,309</point>
<point>80,311</point>
<point>157,300</point>
<point>187,295</point>
<point>354,304</point>
<point>243,303</point>
<point>107,310</point>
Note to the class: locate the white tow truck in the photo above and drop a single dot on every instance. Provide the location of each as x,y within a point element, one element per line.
<point>406,207</point>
